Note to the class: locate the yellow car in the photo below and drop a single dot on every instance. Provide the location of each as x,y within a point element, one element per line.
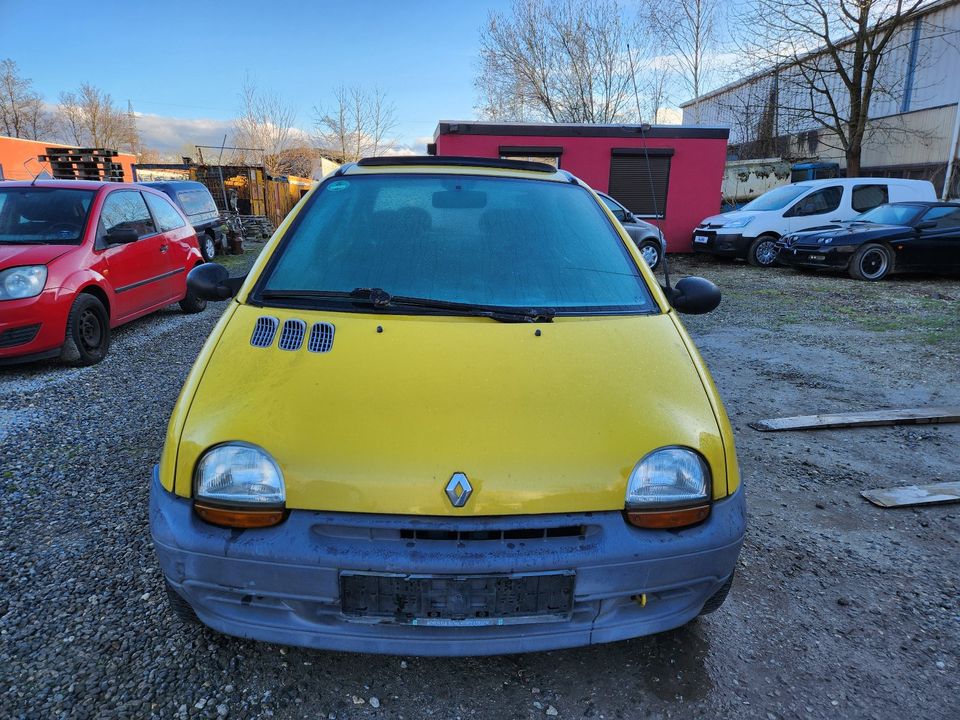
<point>449,411</point>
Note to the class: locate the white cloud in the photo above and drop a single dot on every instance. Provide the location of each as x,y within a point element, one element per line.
<point>170,134</point>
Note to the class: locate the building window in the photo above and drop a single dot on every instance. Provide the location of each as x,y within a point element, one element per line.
<point>867,197</point>
<point>639,179</point>
<point>533,153</point>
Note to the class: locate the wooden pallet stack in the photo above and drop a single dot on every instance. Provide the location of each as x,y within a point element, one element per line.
<point>83,164</point>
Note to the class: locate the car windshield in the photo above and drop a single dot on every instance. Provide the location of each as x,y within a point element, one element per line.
<point>503,242</point>
<point>777,199</point>
<point>196,202</point>
<point>890,215</point>
<point>51,216</point>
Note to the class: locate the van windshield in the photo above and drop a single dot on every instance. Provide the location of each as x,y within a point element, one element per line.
<point>777,199</point>
<point>51,216</point>
<point>484,241</point>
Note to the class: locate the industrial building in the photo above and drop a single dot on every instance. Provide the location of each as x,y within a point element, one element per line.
<point>914,122</point>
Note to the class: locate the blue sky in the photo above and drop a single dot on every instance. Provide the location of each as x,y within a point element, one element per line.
<point>185,61</point>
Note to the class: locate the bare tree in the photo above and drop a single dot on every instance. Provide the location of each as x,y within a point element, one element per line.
<point>687,30</point>
<point>358,124</point>
<point>560,61</point>
<point>22,113</point>
<point>88,117</point>
<point>830,60</point>
<point>266,125</point>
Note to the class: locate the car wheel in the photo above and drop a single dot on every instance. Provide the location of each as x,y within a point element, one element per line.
<point>716,600</point>
<point>650,252</point>
<point>180,607</point>
<point>192,304</point>
<point>763,251</point>
<point>871,262</point>
<point>208,246</point>
<point>88,332</point>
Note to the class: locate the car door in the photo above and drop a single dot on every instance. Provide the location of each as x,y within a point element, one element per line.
<point>134,253</point>
<point>178,235</point>
<point>938,238</point>
<point>819,207</point>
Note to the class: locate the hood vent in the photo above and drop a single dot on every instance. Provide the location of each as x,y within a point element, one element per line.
<point>321,337</point>
<point>291,336</point>
<point>264,331</point>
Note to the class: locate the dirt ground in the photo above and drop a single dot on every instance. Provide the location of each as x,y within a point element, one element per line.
<point>839,609</point>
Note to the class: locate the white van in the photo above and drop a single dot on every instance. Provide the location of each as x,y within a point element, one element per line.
<point>752,232</point>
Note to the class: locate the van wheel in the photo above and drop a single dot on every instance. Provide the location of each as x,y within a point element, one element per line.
<point>871,262</point>
<point>208,246</point>
<point>650,252</point>
<point>763,251</point>
<point>716,600</point>
<point>88,332</point>
<point>180,607</point>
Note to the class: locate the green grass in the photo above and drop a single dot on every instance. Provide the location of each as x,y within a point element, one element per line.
<point>239,264</point>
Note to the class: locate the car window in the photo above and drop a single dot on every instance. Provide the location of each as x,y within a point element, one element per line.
<point>466,239</point>
<point>867,197</point>
<point>818,202</point>
<point>890,214</point>
<point>53,216</point>
<point>944,216</point>
<point>616,208</point>
<point>777,199</point>
<point>125,209</point>
<point>196,202</point>
<point>165,213</point>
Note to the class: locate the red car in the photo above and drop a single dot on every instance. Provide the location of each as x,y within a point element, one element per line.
<point>79,258</point>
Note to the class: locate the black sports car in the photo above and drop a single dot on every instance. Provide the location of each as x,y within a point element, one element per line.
<point>912,236</point>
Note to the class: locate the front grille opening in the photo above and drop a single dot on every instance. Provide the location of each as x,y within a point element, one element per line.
<point>264,331</point>
<point>292,334</point>
<point>18,336</point>
<point>563,531</point>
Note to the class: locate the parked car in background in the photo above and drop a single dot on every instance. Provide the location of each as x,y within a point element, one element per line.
<point>508,493</point>
<point>196,202</point>
<point>79,258</point>
<point>917,236</point>
<point>751,233</point>
<point>647,237</point>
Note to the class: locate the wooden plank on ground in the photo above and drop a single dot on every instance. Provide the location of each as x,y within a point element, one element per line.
<point>913,416</point>
<point>945,492</point>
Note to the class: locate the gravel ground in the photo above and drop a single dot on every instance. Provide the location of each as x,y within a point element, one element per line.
<point>840,609</point>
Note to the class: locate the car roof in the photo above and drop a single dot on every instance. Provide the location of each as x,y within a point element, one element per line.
<point>925,203</point>
<point>62,184</point>
<point>176,185</point>
<point>445,164</point>
<point>856,181</point>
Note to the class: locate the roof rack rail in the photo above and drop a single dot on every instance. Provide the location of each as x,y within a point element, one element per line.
<point>456,161</point>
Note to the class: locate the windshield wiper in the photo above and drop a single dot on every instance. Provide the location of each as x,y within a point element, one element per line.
<point>380,299</point>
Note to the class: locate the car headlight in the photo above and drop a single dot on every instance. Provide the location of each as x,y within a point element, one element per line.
<point>239,485</point>
<point>670,487</point>
<point>22,282</point>
<point>739,223</point>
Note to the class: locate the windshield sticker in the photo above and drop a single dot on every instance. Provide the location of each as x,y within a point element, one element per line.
<point>338,185</point>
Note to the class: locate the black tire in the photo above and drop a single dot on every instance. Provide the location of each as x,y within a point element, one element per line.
<point>87,337</point>
<point>652,253</point>
<point>871,262</point>
<point>208,246</point>
<point>192,304</point>
<point>180,607</point>
<point>763,251</point>
<point>714,602</point>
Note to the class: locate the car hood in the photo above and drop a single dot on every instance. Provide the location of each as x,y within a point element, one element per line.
<point>18,255</point>
<point>852,233</point>
<point>548,423</point>
<point>729,217</point>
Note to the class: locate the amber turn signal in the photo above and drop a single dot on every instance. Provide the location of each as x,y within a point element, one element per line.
<point>661,519</point>
<point>238,518</point>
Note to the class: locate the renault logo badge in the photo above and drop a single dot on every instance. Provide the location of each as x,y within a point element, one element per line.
<point>459,489</point>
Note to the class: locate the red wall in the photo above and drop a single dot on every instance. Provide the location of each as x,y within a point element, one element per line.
<point>696,170</point>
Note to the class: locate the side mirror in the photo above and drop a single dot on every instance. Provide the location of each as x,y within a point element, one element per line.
<point>211,281</point>
<point>122,235</point>
<point>694,296</point>
<point>925,225</point>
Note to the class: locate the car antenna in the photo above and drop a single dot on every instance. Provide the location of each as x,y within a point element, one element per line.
<point>644,127</point>
<point>30,172</point>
